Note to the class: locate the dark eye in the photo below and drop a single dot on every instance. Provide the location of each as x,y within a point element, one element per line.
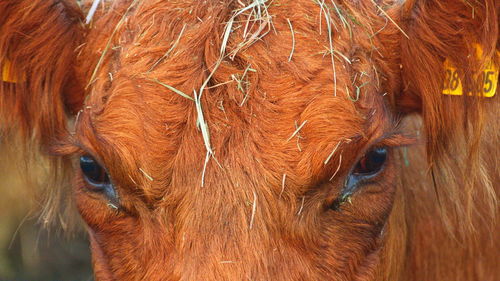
<point>371,163</point>
<point>93,173</point>
<point>98,179</point>
<point>369,166</point>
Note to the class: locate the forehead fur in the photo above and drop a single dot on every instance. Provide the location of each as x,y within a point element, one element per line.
<point>273,105</point>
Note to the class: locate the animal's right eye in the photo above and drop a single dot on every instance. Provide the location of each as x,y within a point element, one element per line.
<point>94,174</point>
<point>98,179</point>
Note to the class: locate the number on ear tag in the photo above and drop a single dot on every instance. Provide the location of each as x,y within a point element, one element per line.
<point>486,84</point>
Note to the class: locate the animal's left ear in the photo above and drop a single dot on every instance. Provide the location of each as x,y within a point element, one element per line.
<point>449,64</point>
<point>38,46</point>
<point>449,68</point>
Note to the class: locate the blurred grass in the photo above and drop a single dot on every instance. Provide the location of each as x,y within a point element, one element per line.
<point>27,250</point>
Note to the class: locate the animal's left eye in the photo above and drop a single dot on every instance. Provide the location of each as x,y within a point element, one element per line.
<point>367,168</point>
<point>371,163</point>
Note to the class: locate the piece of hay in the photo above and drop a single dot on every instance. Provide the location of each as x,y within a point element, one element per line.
<point>293,40</point>
<point>108,44</point>
<point>297,130</point>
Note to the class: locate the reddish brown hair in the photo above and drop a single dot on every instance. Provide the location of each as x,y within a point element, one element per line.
<point>445,196</point>
<point>37,48</point>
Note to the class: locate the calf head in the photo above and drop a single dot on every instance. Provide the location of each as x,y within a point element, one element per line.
<point>226,140</point>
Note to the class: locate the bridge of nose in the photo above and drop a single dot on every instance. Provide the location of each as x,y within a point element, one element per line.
<point>232,235</point>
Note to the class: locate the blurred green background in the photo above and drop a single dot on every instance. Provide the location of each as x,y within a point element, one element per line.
<point>28,251</point>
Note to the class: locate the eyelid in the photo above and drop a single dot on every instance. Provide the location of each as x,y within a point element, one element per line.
<point>394,140</point>
<point>71,145</point>
<point>84,149</point>
<point>66,147</point>
<point>391,139</point>
<point>349,189</point>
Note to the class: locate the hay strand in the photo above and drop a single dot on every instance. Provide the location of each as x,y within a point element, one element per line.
<point>397,26</point>
<point>254,209</point>
<point>338,167</point>
<point>297,131</point>
<point>301,206</point>
<point>282,185</point>
<point>207,158</point>
<point>332,153</point>
<point>177,91</point>
<point>167,53</point>
<point>92,11</point>
<point>108,44</point>
<point>328,19</point>
<point>202,125</point>
<point>150,178</point>
<point>293,40</point>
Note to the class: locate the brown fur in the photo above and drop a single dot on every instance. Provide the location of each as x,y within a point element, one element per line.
<point>243,222</point>
<point>39,38</point>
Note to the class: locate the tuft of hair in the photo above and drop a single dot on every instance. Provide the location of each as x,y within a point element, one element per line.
<point>461,131</point>
<point>446,211</point>
<point>38,88</point>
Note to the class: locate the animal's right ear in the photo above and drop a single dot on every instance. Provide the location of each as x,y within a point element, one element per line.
<point>39,41</point>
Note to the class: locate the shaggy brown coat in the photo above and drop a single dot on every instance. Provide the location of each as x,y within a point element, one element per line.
<point>292,94</point>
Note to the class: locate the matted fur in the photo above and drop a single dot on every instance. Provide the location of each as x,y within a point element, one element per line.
<point>260,215</point>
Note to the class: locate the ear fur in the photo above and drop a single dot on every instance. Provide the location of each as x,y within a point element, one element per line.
<point>439,30</point>
<point>38,42</point>
<point>38,90</point>
<point>460,130</point>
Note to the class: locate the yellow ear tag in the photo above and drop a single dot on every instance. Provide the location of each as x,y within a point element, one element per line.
<point>6,75</point>
<point>486,82</point>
